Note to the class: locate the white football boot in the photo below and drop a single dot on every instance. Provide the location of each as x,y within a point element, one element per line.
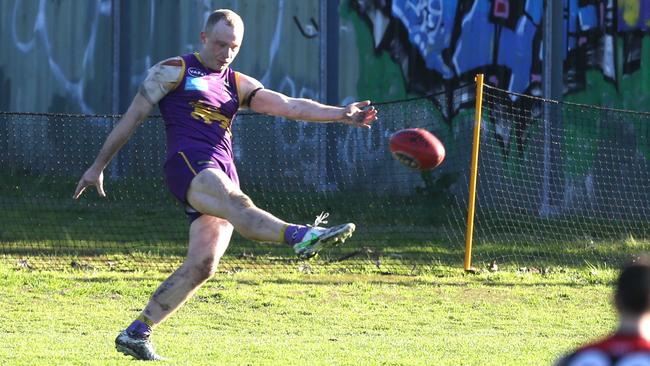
<point>318,238</point>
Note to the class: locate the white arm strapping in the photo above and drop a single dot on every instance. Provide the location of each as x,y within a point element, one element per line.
<point>161,79</point>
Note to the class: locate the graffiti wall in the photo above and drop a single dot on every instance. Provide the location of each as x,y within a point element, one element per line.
<point>70,56</point>
<point>90,57</point>
<point>442,44</point>
<point>73,56</point>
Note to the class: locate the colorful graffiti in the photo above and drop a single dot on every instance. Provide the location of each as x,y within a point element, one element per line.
<point>633,23</point>
<point>440,45</point>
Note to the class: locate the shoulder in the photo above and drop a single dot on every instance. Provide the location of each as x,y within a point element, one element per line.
<point>247,82</point>
<point>585,356</point>
<point>162,78</point>
<point>246,87</point>
<point>172,61</point>
<point>172,65</point>
<point>595,356</point>
<point>167,70</point>
<point>615,349</point>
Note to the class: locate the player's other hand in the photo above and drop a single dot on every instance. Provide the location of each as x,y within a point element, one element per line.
<point>360,114</point>
<point>92,177</point>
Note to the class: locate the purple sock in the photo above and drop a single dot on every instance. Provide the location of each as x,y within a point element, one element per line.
<point>139,329</point>
<point>294,234</point>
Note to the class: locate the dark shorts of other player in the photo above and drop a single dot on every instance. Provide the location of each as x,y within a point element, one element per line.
<point>183,166</point>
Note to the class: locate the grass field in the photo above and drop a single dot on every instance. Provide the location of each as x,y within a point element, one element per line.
<point>401,234</point>
<point>73,274</point>
<point>445,317</point>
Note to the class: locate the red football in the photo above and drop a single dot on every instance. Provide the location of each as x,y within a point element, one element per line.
<point>417,148</point>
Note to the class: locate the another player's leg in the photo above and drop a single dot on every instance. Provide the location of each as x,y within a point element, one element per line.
<point>212,192</point>
<point>209,239</point>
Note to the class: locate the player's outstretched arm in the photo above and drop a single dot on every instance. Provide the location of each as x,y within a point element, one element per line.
<point>358,114</point>
<point>94,176</point>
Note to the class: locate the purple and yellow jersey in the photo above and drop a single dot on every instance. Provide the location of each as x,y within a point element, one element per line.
<point>199,111</point>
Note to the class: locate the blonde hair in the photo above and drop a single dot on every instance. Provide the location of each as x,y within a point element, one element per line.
<point>230,17</point>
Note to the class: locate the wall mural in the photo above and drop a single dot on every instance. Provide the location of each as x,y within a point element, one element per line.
<point>435,46</point>
<point>440,45</point>
<point>39,40</point>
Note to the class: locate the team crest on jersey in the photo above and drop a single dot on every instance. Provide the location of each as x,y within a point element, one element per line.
<point>194,72</point>
<point>209,114</point>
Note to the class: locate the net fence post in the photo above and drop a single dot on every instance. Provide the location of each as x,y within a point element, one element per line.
<point>553,84</point>
<point>473,173</point>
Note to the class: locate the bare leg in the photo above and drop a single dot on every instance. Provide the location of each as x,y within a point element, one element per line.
<point>209,239</point>
<point>224,205</point>
<point>212,192</point>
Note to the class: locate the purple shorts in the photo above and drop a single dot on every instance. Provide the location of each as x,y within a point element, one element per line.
<point>183,166</point>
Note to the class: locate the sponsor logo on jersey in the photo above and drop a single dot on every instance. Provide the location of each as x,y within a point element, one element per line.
<point>194,72</point>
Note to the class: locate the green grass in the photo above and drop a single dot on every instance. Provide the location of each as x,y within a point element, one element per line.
<point>444,318</point>
<point>394,295</point>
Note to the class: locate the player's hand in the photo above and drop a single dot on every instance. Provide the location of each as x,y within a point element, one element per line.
<point>92,177</point>
<point>360,114</point>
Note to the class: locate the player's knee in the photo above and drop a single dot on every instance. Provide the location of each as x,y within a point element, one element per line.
<point>240,200</point>
<point>207,268</point>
